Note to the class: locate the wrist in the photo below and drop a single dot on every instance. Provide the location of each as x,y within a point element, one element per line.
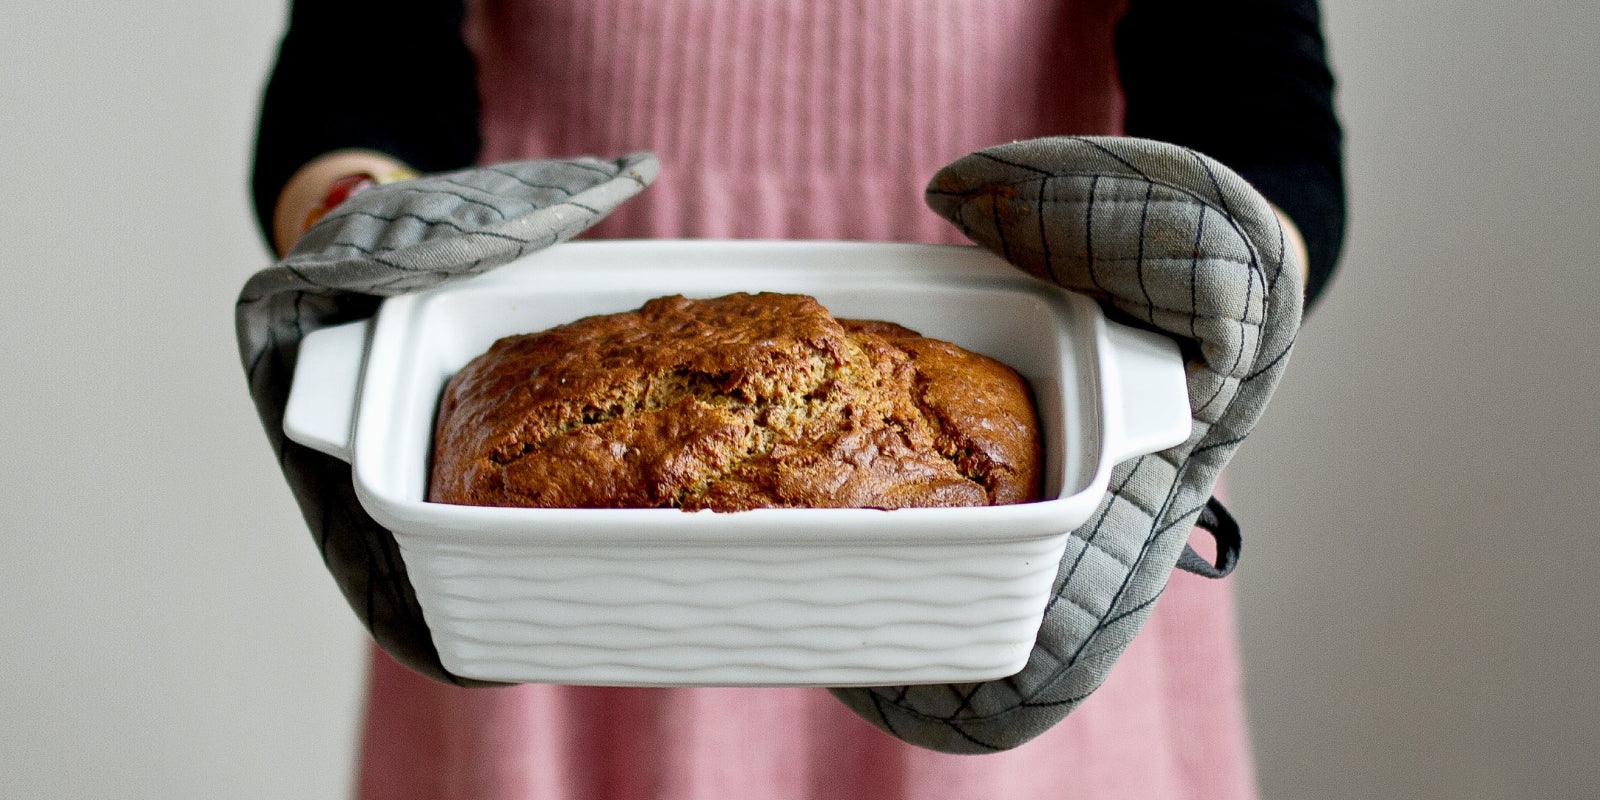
<point>325,182</point>
<point>1296,244</point>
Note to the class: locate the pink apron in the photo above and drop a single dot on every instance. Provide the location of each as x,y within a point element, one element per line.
<point>802,119</point>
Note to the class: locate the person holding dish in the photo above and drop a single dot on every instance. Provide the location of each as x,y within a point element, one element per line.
<point>800,121</point>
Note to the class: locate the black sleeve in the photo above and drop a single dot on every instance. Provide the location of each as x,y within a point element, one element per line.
<point>392,76</point>
<point>1246,82</point>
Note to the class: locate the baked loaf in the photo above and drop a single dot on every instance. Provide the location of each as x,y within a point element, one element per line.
<point>738,402</point>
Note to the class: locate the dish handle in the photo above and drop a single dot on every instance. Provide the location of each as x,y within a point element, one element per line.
<point>322,398</point>
<point>1147,394</point>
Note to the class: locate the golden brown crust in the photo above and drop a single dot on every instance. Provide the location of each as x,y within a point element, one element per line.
<point>737,402</point>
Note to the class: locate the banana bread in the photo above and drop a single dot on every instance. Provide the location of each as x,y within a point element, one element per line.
<point>733,403</point>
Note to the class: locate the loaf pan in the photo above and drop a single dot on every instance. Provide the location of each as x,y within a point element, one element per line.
<point>770,597</point>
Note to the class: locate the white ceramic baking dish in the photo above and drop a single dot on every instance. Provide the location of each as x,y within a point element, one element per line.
<point>660,597</point>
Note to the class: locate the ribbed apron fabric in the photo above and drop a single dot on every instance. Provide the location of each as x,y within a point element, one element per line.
<point>807,120</point>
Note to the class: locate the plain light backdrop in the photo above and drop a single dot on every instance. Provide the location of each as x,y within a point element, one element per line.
<point>1416,594</point>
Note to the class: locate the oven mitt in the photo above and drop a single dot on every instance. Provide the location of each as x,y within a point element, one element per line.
<point>1163,237</point>
<point>388,240</point>
<point>1166,239</point>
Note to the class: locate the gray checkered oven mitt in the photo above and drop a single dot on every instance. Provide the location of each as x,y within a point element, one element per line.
<point>389,240</point>
<point>1163,237</point>
<point>1166,239</point>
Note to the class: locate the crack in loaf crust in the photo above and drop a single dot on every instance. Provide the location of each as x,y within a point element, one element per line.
<point>738,402</point>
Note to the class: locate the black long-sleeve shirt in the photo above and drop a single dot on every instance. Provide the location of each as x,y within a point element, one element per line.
<point>1244,81</point>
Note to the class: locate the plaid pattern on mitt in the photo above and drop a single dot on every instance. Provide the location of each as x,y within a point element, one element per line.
<point>392,239</point>
<point>1166,239</point>
<point>1161,236</point>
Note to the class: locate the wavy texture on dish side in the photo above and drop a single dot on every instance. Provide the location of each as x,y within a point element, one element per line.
<point>552,615</point>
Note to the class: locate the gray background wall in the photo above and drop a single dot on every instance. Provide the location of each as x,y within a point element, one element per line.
<point>167,629</point>
<point>1416,604</point>
<point>1418,614</point>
